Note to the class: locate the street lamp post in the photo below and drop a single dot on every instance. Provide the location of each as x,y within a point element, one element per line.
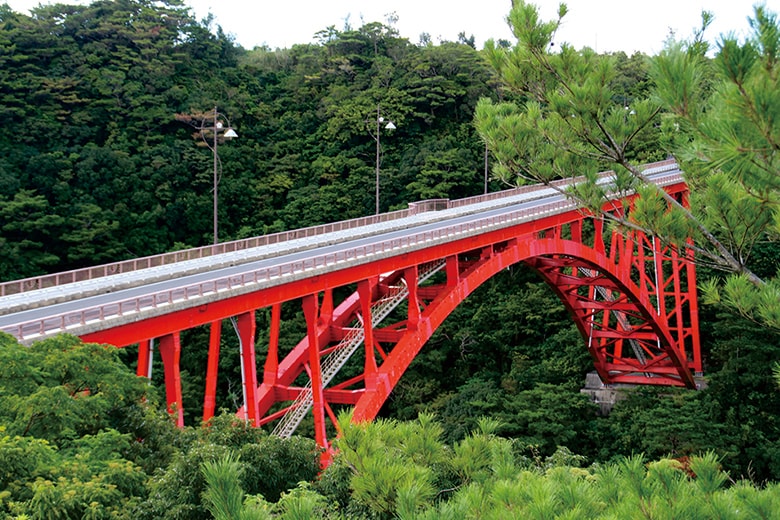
<point>486,167</point>
<point>227,133</point>
<point>388,126</point>
<point>204,122</point>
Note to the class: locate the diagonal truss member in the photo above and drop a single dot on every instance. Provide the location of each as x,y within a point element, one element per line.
<point>621,318</point>
<point>334,361</point>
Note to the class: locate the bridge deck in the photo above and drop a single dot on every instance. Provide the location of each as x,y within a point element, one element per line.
<point>107,301</point>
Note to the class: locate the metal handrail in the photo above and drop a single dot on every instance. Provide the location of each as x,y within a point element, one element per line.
<point>64,322</point>
<point>126,266</point>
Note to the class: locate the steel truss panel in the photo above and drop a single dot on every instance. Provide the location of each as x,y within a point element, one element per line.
<point>632,299</point>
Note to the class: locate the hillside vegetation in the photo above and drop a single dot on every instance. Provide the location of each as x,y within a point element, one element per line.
<point>488,422</point>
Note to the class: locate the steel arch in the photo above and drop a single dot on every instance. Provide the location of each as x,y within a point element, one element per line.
<point>613,299</point>
<point>550,257</point>
<point>632,298</point>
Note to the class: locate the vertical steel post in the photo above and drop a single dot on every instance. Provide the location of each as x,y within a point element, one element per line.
<point>212,369</point>
<point>452,268</point>
<point>311,312</point>
<point>693,302</point>
<point>245,327</point>
<point>411,275</point>
<point>144,359</point>
<point>365,291</point>
<point>170,352</point>
<point>271,367</point>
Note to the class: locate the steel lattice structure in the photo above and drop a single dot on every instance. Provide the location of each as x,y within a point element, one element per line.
<point>632,298</point>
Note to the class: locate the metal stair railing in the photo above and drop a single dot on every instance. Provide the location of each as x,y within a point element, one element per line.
<point>621,318</point>
<point>334,361</point>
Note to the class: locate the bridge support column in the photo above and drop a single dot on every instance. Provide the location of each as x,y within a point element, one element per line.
<point>453,270</point>
<point>693,303</point>
<point>659,281</point>
<point>366,291</point>
<point>212,369</point>
<point>575,228</point>
<point>170,352</point>
<point>144,359</point>
<point>245,327</point>
<point>598,235</point>
<point>691,296</point>
<point>411,275</point>
<point>271,367</point>
<point>311,313</point>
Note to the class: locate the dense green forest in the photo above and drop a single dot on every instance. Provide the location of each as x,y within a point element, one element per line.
<point>488,421</point>
<point>96,167</point>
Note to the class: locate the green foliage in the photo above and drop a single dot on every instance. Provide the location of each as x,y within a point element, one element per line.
<point>265,466</point>
<point>388,473</point>
<point>660,422</point>
<point>22,458</point>
<point>62,417</point>
<point>741,398</point>
<point>224,496</point>
<point>89,147</point>
<point>724,109</point>
<point>104,172</point>
<point>492,483</point>
<point>580,112</point>
<point>574,113</point>
<point>274,465</point>
<point>302,503</point>
<point>60,389</point>
<point>176,493</point>
<point>549,416</point>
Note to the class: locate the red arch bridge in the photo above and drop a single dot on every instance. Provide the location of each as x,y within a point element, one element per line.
<point>632,299</point>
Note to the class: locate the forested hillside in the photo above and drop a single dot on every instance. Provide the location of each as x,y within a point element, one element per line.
<point>96,167</point>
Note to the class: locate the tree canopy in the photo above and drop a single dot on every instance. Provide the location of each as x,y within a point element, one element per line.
<point>96,168</point>
<point>574,115</point>
<point>488,420</point>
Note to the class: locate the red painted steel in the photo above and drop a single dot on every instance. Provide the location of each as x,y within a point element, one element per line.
<point>632,299</point>
<point>144,358</point>
<point>245,326</point>
<point>170,352</point>
<point>212,369</point>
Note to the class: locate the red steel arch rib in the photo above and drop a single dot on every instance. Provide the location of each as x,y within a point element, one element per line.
<point>561,263</point>
<point>634,303</point>
<point>632,299</point>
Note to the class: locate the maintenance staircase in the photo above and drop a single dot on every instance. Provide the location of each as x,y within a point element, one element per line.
<point>333,363</point>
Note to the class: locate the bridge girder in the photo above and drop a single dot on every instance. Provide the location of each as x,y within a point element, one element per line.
<point>632,299</point>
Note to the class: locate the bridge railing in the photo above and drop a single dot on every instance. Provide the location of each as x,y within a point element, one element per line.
<point>66,321</point>
<point>126,266</point>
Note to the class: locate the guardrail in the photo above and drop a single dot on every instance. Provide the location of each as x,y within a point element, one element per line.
<point>126,266</point>
<point>67,321</point>
<point>650,168</point>
<point>91,273</point>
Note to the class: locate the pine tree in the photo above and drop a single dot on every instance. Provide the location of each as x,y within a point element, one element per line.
<point>571,117</point>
